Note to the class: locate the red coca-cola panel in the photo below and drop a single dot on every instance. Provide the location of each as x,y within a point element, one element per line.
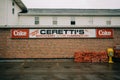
<point>20,33</point>
<point>104,33</point>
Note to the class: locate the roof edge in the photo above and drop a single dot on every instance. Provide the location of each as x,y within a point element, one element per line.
<point>74,12</point>
<point>80,8</point>
<point>21,5</point>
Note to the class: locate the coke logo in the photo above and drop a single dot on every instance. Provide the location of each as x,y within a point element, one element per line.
<point>19,33</point>
<point>104,32</point>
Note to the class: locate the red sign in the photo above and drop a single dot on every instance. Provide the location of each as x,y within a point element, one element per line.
<point>20,33</point>
<point>104,33</point>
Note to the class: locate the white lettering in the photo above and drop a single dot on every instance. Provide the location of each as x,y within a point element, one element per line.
<point>104,32</point>
<point>19,33</point>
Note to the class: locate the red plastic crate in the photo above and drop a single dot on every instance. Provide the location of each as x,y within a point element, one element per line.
<point>91,56</point>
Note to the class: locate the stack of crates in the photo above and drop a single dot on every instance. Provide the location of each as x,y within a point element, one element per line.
<point>91,57</point>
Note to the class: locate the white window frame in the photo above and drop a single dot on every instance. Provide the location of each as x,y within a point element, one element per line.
<point>72,20</point>
<point>55,22</point>
<point>36,20</point>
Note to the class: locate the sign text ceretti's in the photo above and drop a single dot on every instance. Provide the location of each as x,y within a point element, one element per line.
<point>20,33</point>
<point>62,33</point>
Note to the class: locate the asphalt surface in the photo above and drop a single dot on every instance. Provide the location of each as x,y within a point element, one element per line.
<point>59,71</point>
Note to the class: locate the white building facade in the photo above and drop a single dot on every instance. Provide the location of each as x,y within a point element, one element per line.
<point>64,20</point>
<point>14,12</point>
<point>9,10</point>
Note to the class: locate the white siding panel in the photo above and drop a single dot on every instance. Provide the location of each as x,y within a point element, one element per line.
<point>3,9</point>
<point>13,18</point>
<point>100,20</point>
<point>45,20</point>
<point>6,16</point>
<point>64,20</point>
<point>82,20</point>
<point>115,21</point>
<point>26,20</point>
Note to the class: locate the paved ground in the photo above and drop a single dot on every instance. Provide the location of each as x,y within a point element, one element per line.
<point>59,71</point>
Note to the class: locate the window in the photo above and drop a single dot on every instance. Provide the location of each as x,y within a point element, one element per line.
<point>54,20</point>
<point>13,11</point>
<point>108,22</point>
<point>36,20</point>
<point>72,20</point>
<point>13,8</point>
<point>13,3</point>
<point>91,20</point>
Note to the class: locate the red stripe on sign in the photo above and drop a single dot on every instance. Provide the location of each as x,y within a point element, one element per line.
<point>104,33</point>
<point>20,33</point>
